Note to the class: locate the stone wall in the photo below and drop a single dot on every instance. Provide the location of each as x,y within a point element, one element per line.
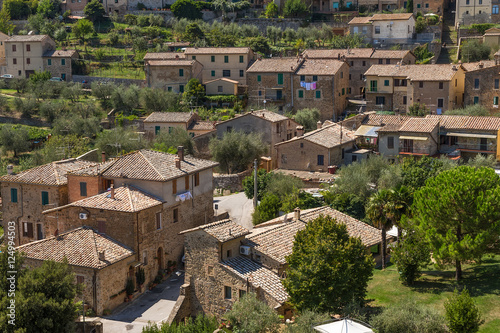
<point>201,145</point>
<point>231,182</point>
<point>126,82</point>
<point>486,91</point>
<point>182,307</point>
<point>289,23</point>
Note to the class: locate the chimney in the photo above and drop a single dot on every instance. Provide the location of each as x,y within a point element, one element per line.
<point>300,130</point>
<point>103,156</point>
<point>10,169</point>
<point>177,163</point>
<point>318,124</point>
<point>177,57</point>
<point>296,214</point>
<point>112,191</point>
<point>180,153</point>
<point>102,255</point>
<point>481,64</point>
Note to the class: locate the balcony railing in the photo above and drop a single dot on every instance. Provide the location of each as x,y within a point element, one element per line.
<point>470,146</point>
<point>414,150</point>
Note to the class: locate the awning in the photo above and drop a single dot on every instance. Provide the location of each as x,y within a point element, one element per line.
<point>472,135</point>
<point>277,88</point>
<point>365,130</point>
<point>135,264</point>
<point>183,196</point>
<point>421,138</point>
<point>343,326</point>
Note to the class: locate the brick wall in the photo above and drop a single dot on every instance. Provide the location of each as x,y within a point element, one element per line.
<point>93,184</point>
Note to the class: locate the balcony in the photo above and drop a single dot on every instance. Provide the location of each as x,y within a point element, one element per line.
<point>471,147</point>
<point>413,151</point>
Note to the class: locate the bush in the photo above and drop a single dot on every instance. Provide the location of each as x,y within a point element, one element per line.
<point>473,50</point>
<point>272,10</point>
<point>249,314</point>
<point>307,118</point>
<point>408,317</point>
<point>295,8</point>
<point>186,9</point>
<point>470,110</point>
<point>420,25</point>
<point>201,324</point>
<point>305,321</point>
<point>410,255</point>
<point>462,314</point>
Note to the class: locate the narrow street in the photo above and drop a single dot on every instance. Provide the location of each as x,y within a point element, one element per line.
<point>449,36</point>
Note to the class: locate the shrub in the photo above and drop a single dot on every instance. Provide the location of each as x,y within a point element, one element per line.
<point>473,50</point>
<point>410,255</point>
<point>462,314</point>
<point>249,314</point>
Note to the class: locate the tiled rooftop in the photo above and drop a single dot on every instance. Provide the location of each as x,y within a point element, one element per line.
<point>390,54</point>
<point>217,50</point>
<point>168,117</point>
<point>320,67</point>
<point>361,20</point>
<point>327,136</point>
<point>277,242</point>
<point>391,17</point>
<point>27,38</point>
<point>473,66</point>
<point>53,173</point>
<point>467,122</point>
<point>80,247</point>
<point>223,230</point>
<point>202,126</point>
<point>258,276</point>
<point>432,72</point>
<point>384,119</point>
<point>334,53</point>
<point>59,54</point>
<point>174,62</point>
<point>163,55</point>
<point>419,125</point>
<point>275,65</point>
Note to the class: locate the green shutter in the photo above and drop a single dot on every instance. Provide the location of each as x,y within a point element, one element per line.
<point>181,88</point>
<point>63,62</point>
<point>49,62</point>
<point>259,78</point>
<point>213,73</point>
<point>280,78</point>
<point>212,58</point>
<point>226,59</point>
<point>373,85</point>
<point>301,93</point>
<point>386,83</point>
<point>318,94</point>
<point>315,78</point>
<point>181,72</point>
<point>495,100</point>
<point>45,198</point>
<point>194,57</point>
<point>343,91</point>
<point>157,130</point>
<point>13,195</point>
<point>241,59</point>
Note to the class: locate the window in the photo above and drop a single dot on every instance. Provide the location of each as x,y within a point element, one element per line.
<point>280,78</point>
<point>354,158</point>
<point>158,220</point>
<point>242,293</point>
<point>343,153</point>
<point>480,2</point>
<point>377,29</point>
<point>169,88</point>
<point>63,62</point>
<point>80,279</point>
<point>229,128</point>
<point>229,253</point>
<point>45,198</point>
<point>212,58</point>
<point>373,85</point>
<point>381,61</point>
<point>380,100</point>
<point>14,61</point>
<point>495,100</point>
<point>197,179</point>
<point>301,93</point>
<point>116,1</point>
<point>387,61</point>
<point>421,84</point>
<point>181,72</point>
<point>375,249</point>
<point>157,130</point>
<point>259,78</point>
<point>349,76</point>
<point>241,59</point>
<point>175,214</point>
<point>226,59</point>
<point>145,257</point>
<point>426,5</point>
<point>343,91</point>
<point>186,182</point>
<point>28,61</point>
<point>28,47</point>
<point>260,92</point>
<point>170,129</point>
<point>49,62</point>
<point>193,57</point>
<point>364,63</point>
<point>405,100</point>
<point>418,5</point>
<point>28,229</point>
<point>386,83</point>
<point>181,88</point>
<point>302,78</point>
<point>174,186</point>
<point>476,99</point>
<point>318,93</point>
<point>212,73</point>
<point>321,159</point>
<point>226,73</point>
<point>242,73</point>
<point>497,83</point>
<point>440,102</point>
<point>13,195</point>
<point>315,78</point>
<point>390,142</point>
<point>441,85</point>
<point>494,10</point>
<point>13,48</point>
<point>227,292</point>
<point>83,189</point>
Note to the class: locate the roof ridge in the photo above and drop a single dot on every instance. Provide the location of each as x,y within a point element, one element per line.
<point>93,235</point>
<point>130,198</point>
<point>151,164</point>
<point>56,173</point>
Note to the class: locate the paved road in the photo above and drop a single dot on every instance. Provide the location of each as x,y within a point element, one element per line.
<point>153,306</point>
<point>240,208</point>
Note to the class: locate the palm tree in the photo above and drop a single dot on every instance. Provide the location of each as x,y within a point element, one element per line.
<point>378,206</point>
<point>399,205</point>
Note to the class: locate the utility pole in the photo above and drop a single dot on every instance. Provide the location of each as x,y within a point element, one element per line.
<point>255,183</point>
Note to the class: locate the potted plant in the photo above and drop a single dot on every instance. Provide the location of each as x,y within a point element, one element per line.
<point>129,287</point>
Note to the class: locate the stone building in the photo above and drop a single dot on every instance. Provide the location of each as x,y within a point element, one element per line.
<point>397,87</point>
<point>75,6</point>
<point>482,84</point>
<point>224,261</point>
<point>274,128</point>
<point>166,121</point>
<point>27,194</point>
<point>172,75</point>
<point>430,6</point>
<point>473,11</point>
<point>29,53</point>
<point>222,62</point>
<point>380,5</point>
<point>385,28</point>
<point>221,87</point>
<point>3,63</point>
<point>416,136</point>
<point>316,150</point>
<point>100,264</point>
<point>495,15</point>
<point>359,61</point>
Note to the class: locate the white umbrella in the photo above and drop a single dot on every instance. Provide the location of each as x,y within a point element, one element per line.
<point>343,326</point>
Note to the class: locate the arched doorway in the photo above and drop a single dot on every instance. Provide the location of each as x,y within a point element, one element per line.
<point>159,255</point>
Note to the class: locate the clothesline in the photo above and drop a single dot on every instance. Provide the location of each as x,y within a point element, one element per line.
<point>308,85</point>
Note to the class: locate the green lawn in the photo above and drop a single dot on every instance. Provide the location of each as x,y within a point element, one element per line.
<point>434,287</point>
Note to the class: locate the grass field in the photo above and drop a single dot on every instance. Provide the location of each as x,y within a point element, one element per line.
<point>434,287</point>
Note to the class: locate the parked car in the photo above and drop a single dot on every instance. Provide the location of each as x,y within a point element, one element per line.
<point>57,79</point>
<point>7,76</point>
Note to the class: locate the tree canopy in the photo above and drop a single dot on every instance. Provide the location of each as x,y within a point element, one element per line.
<point>186,8</point>
<point>328,269</point>
<point>249,314</point>
<point>94,11</point>
<point>458,212</point>
<point>308,118</point>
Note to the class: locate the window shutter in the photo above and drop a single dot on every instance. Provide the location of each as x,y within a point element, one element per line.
<point>186,182</point>
<point>30,230</point>
<point>174,186</point>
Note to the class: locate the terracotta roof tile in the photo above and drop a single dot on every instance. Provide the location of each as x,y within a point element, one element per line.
<point>433,72</point>
<point>467,122</point>
<point>168,117</point>
<point>361,20</point>
<point>217,50</point>
<point>60,54</point>
<point>390,54</point>
<point>277,241</point>
<point>48,174</point>
<point>391,17</point>
<point>27,38</point>
<point>327,136</point>
<point>275,65</point>
<point>334,53</point>
<point>80,247</point>
<point>174,62</point>
<point>223,230</point>
<point>202,126</point>
<point>419,125</point>
<point>384,119</point>
<point>163,55</point>
<point>258,276</point>
<point>473,66</point>
<point>320,67</point>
